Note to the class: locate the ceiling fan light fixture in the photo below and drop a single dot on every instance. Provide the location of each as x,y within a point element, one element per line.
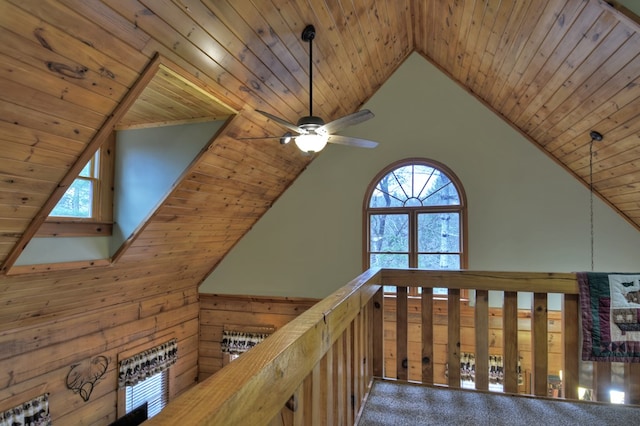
<point>311,142</point>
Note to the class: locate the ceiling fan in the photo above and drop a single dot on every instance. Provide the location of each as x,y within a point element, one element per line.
<point>311,133</point>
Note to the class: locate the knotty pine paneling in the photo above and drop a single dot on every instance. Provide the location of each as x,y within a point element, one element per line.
<point>555,70</point>
<point>38,352</point>
<point>218,311</point>
<point>67,64</point>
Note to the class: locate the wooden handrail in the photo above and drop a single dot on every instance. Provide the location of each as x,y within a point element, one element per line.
<point>540,282</point>
<point>255,387</point>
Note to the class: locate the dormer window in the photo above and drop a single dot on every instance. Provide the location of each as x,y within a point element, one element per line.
<point>86,208</point>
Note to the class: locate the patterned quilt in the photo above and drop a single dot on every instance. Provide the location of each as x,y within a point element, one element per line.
<point>610,313</point>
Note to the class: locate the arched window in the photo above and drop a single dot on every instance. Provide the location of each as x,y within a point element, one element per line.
<point>415,217</point>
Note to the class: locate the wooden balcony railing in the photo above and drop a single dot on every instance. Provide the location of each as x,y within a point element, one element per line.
<point>316,369</point>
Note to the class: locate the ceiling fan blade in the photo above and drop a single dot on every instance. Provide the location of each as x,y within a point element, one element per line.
<point>284,139</point>
<point>346,121</point>
<point>281,122</point>
<point>256,138</point>
<point>349,141</point>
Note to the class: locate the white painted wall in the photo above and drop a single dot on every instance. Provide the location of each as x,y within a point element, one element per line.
<point>147,165</point>
<point>525,212</point>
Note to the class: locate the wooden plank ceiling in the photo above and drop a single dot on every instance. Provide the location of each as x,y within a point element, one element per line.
<point>554,69</point>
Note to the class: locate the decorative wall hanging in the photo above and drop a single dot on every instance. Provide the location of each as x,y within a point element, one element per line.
<point>148,363</point>
<point>610,313</point>
<point>34,412</point>
<point>496,369</point>
<point>82,378</point>
<point>237,342</point>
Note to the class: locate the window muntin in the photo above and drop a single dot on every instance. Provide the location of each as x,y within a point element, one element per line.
<point>414,185</point>
<point>415,217</point>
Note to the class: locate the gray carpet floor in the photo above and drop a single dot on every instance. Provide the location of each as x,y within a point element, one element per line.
<point>398,403</point>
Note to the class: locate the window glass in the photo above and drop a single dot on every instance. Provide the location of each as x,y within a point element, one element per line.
<point>88,170</point>
<point>439,232</point>
<point>438,261</point>
<point>390,260</point>
<point>412,186</point>
<point>389,233</point>
<point>77,201</point>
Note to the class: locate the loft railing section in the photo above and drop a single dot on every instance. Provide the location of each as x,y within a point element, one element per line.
<point>316,370</point>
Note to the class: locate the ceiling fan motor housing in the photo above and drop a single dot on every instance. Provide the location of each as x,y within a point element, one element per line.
<point>309,33</point>
<point>310,120</point>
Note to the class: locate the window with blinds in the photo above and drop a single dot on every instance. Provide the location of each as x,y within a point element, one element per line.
<point>153,390</point>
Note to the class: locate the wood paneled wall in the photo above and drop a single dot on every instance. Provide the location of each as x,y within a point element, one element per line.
<point>467,337</point>
<point>218,311</point>
<point>42,338</point>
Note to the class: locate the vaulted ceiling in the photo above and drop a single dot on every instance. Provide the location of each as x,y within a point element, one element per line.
<point>554,70</point>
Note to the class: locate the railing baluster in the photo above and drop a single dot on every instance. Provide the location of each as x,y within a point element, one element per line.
<point>427,335</point>
<point>356,360</point>
<point>570,334</point>
<point>402,359</point>
<point>602,381</point>
<point>346,376</point>
<point>377,334</point>
<point>337,389</point>
<point>317,392</point>
<point>298,403</point>
<point>482,339</point>
<point>539,344</point>
<point>453,327</point>
<point>326,399</point>
<point>308,409</point>
<point>632,383</point>
<point>510,336</point>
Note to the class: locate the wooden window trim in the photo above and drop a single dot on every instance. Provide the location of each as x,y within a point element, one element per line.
<point>413,212</point>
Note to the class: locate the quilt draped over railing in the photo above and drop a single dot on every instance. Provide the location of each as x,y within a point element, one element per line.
<point>237,342</point>
<point>610,314</point>
<point>34,412</point>
<point>147,363</point>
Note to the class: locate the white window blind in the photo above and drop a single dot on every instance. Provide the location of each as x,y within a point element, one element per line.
<point>153,390</point>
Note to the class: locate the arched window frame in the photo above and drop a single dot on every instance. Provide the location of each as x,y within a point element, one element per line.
<point>413,212</point>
